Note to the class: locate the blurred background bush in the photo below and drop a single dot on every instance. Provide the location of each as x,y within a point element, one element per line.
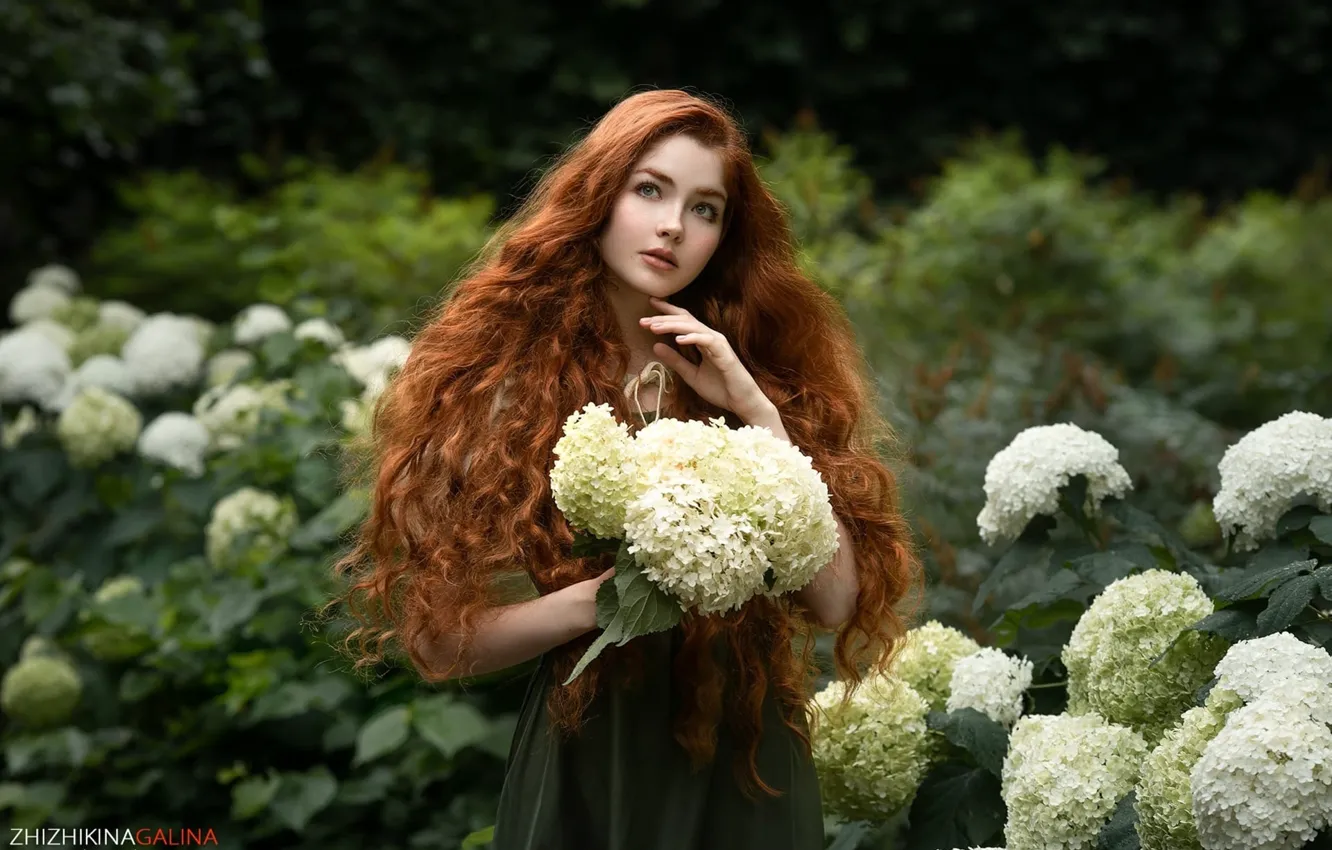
<point>1090,213</point>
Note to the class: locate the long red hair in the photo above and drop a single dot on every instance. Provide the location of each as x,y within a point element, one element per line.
<point>456,503</point>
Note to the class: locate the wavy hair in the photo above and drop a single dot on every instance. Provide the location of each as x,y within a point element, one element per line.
<point>455,504</point>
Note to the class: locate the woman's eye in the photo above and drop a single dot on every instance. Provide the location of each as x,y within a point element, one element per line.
<point>643,188</point>
<point>708,211</point>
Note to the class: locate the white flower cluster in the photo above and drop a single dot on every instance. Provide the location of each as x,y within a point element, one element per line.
<point>592,479</point>
<point>223,367</point>
<point>927,659</point>
<point>1271,466</point>
<point>1063,776</point>
<point>260,519</point>
<point>710,515</point>
<point>1023,480</point>
<point>1253,668</point>
<point>97,425</point>
<point>1110,654</point>
<point>1265,781</point>
<point>372,365</point>
<point>24,423</point>
<point>992,682</point>
<point>232,413</point>
<point>320,330</point>
<point>871,753</point>
<point>49,288</point>
<point>32,367</point>
<point>257,322</point>
<point>164,353</point>
<point>178,440</point>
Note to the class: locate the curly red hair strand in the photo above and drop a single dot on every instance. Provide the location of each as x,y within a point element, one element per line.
<point>455,504</point>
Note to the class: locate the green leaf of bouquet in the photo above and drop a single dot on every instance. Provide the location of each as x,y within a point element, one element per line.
<point>1252,585</point>
<point>1121,832</point>
<point>985,739</point>
<point>1286,603</point>
<point>609,635</point>
<point>587,546</point>
<point>644,607</point>
<point>957,806</point>
<point>608,603</point>
<point>1321,526</point>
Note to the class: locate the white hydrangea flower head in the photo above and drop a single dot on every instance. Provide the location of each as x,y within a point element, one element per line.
<point>265,518</point>
<point>1063,776</point>
<point>36,302</point>
<point>928,657</point>
<point>97,425</point>
<point>872,753</point>
<point>56,276</point>
<point>32,367</point>
<point>321,330</point>
<point>54,331</point>
<point>1265,781</point>
<point>164,353</point>
<point>1023,480</point>
<point>701,517</point>
<point>791,507</point>
<point>1109,655</point>
<point>1254,668</point>
<point>224,366</point>
<point>120,314</point>
<point>1165,789</point>
<point>101,370</point>
<point>592,478</point>
<point>23,424</point>
<point>373,364</point>
<point>178,440</point>
<point>258,322</point>
<point>1271,466</point>
<point>232,413</point>
<point>992,682</point>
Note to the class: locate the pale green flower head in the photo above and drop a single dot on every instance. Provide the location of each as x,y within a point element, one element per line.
<point>77,314</point>
<point>1165,789</point>
<point>593,474</point>
<point>112,641</point>
<point>927,659</point>
<point>1109,655</point>
<point>232,413</point>
<point>1063,776</point>
<point>41,691</point>
<point>97,425</point>
<point>98,339</point>
<point>265,518</point>
<point>872,753</point>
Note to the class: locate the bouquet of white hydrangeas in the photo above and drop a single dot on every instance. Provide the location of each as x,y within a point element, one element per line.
<point>702,517</point>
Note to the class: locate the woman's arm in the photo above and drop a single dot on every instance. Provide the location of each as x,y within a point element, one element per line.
<point>831,596</point>
<point>511,634</point>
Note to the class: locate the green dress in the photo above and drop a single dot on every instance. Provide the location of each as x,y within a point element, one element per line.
<point>624,783</point>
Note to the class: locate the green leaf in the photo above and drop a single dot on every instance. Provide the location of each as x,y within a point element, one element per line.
<point>1296,518</point>
<point>1104,568</point>
<point>252,795</point>
<point>644,607</point>
<point>1121,832</point>
<point>956,806</point>
<point>1253,585</point>
<point>301,796</point>
<point>480,838</point>
<point>133,525</point>
<point>1324,576</point>
<point>383,734</point>
<point>448,724</point>
<point>1321,526</point>
<point>984,739</point>
<point>333,521</point>
<point>609,635</point>
<point>608,603</point>
<point>1055,588</point>
<point>587,546</point>
<point>1234,624</point>
<point>1286,603</point>
<point>1072,498</point>
<point>238,603</point>
<point>1022,555</point>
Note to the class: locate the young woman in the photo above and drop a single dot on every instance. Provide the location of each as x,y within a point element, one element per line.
<point>651,252</point>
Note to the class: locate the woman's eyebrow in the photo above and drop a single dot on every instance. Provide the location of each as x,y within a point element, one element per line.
<point>702,190</point>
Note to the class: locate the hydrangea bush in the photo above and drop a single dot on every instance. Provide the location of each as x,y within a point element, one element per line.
<point>171,502</point>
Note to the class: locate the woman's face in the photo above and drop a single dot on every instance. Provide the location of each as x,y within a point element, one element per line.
<point>670,206</point>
